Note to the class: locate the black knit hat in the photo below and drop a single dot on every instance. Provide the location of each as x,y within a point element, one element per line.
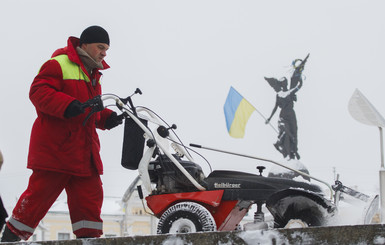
<point>94,34</point>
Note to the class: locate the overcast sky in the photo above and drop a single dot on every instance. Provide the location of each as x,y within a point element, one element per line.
<point>185,55</point>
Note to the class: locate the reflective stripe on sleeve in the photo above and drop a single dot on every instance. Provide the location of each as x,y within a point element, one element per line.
<point>87,224</point>
<point>20,226</point>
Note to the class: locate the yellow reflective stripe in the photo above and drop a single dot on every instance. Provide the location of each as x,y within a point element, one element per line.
<point>87,224</point>
<point>20,226</point>
<point>70,70</point>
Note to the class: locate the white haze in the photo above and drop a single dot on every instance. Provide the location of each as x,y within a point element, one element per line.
<point>185,55</point>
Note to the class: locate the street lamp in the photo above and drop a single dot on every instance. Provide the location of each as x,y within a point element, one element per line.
<point>363,111</point>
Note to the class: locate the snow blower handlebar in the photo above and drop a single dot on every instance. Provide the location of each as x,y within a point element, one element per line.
<point>97,105</point>
<point>131,112</point>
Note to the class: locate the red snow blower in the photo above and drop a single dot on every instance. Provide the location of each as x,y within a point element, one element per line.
<point>186,200</point>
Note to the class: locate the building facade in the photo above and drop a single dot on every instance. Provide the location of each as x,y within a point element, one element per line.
<point>118,220</point>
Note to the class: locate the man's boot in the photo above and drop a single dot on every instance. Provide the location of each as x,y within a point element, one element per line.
<point>9,236</point>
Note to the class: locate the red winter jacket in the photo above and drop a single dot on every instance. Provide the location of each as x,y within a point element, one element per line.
<point>63,144</point>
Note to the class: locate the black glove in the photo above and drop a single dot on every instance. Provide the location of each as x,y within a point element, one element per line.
<point>74,109</point>
<point>113,120</point>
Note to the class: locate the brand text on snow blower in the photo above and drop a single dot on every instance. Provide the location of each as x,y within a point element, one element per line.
<point>226,185</point>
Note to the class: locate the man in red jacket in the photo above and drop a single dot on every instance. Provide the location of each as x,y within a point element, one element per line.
<point>64,154</point>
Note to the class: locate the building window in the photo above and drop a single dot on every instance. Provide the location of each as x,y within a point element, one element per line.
<point>63,236</point>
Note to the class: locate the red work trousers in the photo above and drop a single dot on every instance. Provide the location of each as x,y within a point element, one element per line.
<point>84,197</point>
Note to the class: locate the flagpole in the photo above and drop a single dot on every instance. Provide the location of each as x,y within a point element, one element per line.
<point>265,119</point>
<point>259,113</point>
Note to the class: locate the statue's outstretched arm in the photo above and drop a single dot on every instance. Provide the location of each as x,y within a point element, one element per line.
<point>273,112</point>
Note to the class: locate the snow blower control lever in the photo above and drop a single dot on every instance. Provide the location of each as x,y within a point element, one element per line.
<point>163,131</point>
<point>128,99</point>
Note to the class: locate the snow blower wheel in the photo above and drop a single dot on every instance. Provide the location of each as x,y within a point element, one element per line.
<point>186,217</point>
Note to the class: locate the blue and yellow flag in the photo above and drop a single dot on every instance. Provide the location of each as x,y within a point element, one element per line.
<point>237,113</point>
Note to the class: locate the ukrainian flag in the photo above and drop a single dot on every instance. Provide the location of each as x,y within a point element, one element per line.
<point>237,113</point>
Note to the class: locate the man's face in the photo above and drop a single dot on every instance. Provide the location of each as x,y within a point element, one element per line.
<point>96,50</point>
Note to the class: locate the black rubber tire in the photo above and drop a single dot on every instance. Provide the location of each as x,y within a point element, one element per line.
<point>186,217</point>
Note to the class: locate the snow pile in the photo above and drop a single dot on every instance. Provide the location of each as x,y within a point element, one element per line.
<point>350,212</point>
<point>303,237</point>
<point>262,237</point>
<point>174,240</point>
<point>279,171</point>
<point>379,240</point>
